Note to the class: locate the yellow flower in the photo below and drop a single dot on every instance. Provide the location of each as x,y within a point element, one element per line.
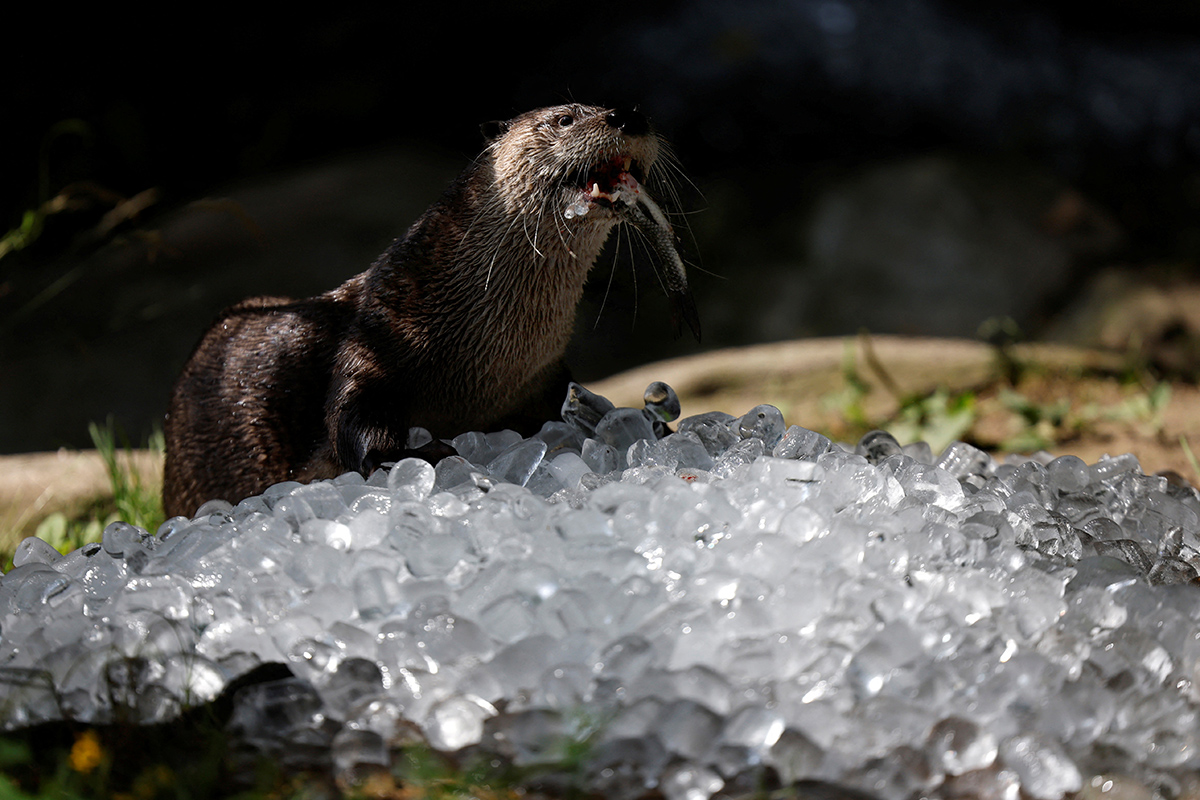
<point>86,753</point>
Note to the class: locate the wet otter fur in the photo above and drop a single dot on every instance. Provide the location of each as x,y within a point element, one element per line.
<point>460,325</point>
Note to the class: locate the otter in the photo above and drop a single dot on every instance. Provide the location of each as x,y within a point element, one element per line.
<point>459,325</point>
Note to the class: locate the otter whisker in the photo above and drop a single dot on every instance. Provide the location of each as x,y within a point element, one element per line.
<point>608,286</point>
<point>532,241</point>
<point>559,225</point>
<point>496,253</point>
<point>633,274</point>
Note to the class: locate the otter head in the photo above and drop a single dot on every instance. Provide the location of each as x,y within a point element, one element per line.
<point>575,172</point>
<point>571,160</point>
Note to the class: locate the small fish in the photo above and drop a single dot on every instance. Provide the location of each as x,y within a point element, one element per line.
<point>640,210</point>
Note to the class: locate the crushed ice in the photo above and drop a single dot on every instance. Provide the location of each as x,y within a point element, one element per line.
<point>732,599</point>
<point>576,209</point>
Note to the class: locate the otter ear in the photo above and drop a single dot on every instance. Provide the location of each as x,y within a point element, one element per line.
<point>495,129</point>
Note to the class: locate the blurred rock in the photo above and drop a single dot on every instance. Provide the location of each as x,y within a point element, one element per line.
<point>1151,314</point>
<point>935,245</point>
<point>932,245</point>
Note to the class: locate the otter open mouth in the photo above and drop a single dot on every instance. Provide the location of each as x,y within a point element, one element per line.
<point>607,184</point>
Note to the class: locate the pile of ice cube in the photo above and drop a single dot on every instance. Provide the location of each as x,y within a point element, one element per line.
<point>728,605</point>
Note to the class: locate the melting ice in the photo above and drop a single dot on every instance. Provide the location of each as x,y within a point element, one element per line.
<point>731,604</point>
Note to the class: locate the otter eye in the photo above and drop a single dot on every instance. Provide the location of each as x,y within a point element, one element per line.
<point>565,120</point>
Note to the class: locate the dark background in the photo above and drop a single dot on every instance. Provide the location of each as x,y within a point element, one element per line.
<point>900,166</point>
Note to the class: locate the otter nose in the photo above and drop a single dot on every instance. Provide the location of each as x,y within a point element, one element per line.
<point>631,122</point>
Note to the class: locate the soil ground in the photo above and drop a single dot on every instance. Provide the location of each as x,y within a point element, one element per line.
<point>1061,399</point>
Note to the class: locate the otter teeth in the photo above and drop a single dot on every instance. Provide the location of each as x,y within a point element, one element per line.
<point>625,190</point>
